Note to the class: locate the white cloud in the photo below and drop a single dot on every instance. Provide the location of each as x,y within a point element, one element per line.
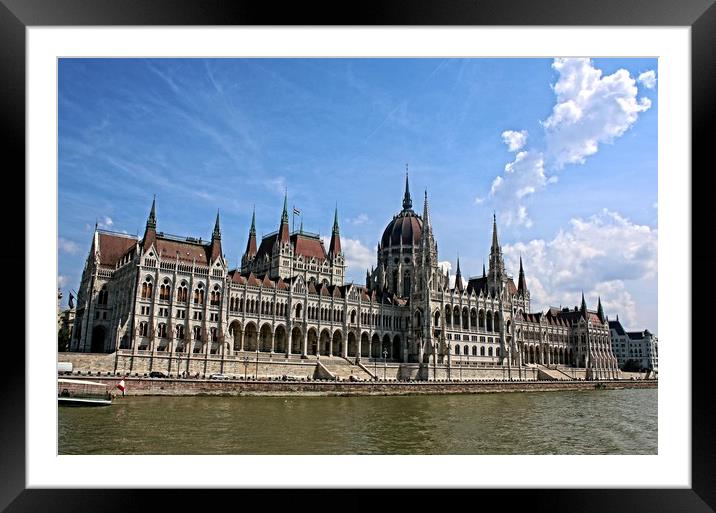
<point>359,257</point>
<point>452,281</point>
<point>514,140</point>
<point>68,246</point>
<point>358,220</point>
<point>445,266</point>
<point>105,223</point>
<point>648,79</point>
<point>598,255</point>
<point>62,281</point>
<point>590,110</point>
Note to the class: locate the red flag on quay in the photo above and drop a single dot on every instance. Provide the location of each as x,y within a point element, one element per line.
<point>121,386</point>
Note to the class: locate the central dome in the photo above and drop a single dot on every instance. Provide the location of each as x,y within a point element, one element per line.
<point>406,228</point>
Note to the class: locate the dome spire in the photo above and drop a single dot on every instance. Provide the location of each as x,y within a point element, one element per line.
<point>407,202</point>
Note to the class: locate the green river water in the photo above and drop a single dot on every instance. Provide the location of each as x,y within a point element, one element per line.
<point>564,422</point>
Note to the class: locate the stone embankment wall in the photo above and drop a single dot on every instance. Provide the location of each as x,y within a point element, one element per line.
<point>140,366</point>
<point>192,387</point>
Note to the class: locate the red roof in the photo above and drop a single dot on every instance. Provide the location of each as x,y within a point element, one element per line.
<point>309,247</point>
<point>185,250</point>
<point>112,247</point>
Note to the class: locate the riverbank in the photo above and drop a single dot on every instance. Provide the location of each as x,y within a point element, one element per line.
<point>139,386</point>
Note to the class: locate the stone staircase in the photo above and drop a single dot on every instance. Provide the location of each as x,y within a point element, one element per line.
<point>344,369</point>
<point>547,374</point>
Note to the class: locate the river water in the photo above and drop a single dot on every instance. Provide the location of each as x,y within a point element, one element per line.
<point>564,422</point>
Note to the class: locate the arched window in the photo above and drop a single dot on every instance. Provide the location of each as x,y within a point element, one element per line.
<point>299,310</point>
<point>199,294</point>
<point>143,329</point>
<point>215,296</point>
<point>180,332</point>
<point>197,332</point>
<point>162,330</point>
<point>457,349</point>
<point>182,294</point>
<point>489,352</point>
<point>353,316</point>
<point>102,296</point>
<point>482,351</point>
<point>406,284</point>
<point>474,350</point>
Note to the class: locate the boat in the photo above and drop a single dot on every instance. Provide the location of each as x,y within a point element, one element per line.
<point>75,392</point>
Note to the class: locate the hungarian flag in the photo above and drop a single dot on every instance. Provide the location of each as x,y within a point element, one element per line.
<point>296,212</point>
<point>121,386</point>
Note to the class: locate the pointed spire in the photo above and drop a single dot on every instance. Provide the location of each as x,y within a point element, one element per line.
<point>407,202</point>
<point>484,275</point>
<point>426,213</point>
<point>217,229</point>
<point>284,214</point>
<point>300,228</point>
<point>583,308</point>
<point>600,310</point>
<point>283,235</point>
<point>522,283</point>
<point>495,242</point>
<point>152,219</point>
<point>251,244</point>
<point>150,231</point>
<point>458,277</point>
<point>335,247</point>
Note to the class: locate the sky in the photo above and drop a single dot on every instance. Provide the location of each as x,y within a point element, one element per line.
<point>563,151</point>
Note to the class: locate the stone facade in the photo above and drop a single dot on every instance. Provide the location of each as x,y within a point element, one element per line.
<point>641,347</point>
<point>175,300</point>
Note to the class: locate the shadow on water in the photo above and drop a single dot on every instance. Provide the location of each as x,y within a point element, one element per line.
<point>567,422</point>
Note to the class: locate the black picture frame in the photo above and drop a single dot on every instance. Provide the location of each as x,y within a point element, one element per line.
<point>17,15</point>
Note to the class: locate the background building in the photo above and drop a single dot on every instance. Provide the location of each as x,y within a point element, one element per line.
<point>635,350</point>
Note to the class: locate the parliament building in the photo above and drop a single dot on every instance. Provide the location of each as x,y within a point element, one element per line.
<point>168,303</point>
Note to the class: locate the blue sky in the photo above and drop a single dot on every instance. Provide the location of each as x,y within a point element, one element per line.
<point>580,205</point>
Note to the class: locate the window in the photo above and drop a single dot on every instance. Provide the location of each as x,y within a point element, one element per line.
<point>182,293</point>
<point>143,329</point>
<point>199,295</point>
<point>198,316</point>
<point>165,290</point>
<point>162,330</point>
<point>181,314</point>
<point>215,296</point>
<point>147,288</point>
<point>102,296</point>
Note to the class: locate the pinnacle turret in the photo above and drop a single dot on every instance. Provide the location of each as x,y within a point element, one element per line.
<point>334,248</point>
<point>407,202</point>
<point>217,230</point>
<point>522,283</point>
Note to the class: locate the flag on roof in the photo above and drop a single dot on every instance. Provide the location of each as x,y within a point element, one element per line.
<point>296,212</point>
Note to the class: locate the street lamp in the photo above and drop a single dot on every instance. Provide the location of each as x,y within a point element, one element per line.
<point>246,366</point>
<point>385,363</point>
<point>375,367</point>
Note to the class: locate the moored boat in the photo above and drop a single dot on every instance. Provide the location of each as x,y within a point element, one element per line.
<point>75,392</point>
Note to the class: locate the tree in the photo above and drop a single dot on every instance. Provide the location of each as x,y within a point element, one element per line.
<point>63,340</point>
<point>632,365</point>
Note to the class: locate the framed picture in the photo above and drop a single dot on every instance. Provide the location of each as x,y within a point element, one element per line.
<point>43,41</point>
